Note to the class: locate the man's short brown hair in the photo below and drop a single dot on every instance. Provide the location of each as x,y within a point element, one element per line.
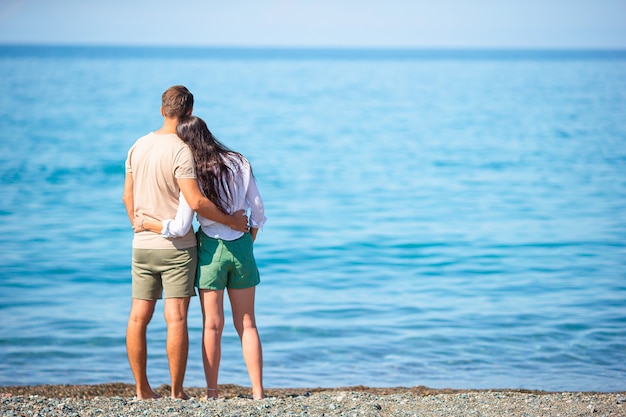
<point>177,102</point>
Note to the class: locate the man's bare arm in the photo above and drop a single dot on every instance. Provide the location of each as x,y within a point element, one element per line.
<point>128,197</point>
<point>205,207</point>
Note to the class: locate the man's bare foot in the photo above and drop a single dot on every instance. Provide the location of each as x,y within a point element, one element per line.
<point>147,395</point>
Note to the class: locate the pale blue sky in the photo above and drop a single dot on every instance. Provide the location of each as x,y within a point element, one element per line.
<point>319,23</point>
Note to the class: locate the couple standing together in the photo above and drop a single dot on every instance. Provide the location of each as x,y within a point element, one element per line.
<point>170,174</point>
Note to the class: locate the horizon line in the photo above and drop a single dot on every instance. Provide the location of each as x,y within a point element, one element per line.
<point>449,48</point>
<point>12,51</point>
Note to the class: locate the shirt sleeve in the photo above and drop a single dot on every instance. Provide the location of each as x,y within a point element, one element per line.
<point>257,210</point>
<point>184,166</point>
<point>127,167</point>
<point>180,225</point>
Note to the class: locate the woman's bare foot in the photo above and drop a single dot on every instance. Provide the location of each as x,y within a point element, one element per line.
<point>211,393</point>
<point>180,396</point>
<point>258,394</point>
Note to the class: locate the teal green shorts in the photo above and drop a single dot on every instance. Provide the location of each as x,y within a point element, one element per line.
<point>158,270</point>
<point>225,263</point>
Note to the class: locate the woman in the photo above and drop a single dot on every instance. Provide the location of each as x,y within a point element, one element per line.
<point>225,256</point>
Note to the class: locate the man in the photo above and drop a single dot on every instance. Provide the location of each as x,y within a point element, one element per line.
<point>160,166</point>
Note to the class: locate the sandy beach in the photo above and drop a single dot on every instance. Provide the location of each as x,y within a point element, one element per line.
<point>117,399</point>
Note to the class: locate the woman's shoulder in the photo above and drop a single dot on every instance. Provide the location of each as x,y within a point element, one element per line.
<point>238,161</point>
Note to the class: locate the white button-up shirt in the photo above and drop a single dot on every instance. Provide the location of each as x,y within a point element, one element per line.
<point>244,196</point>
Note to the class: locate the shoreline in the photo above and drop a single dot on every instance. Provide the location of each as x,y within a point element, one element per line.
<point>118,399</point>
<point>122,389</point>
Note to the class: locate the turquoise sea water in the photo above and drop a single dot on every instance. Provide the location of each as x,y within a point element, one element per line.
<point>441,218</point>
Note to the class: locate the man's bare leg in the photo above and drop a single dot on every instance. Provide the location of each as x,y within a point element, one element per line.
<point>175,310</point>
<point>242,303</point>
<point>140,314</point>
<point>212,302</point>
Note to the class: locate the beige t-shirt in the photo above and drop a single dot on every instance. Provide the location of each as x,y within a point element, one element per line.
<point>156,161</point>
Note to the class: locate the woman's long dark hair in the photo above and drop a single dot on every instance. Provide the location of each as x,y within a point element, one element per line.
<point>211,158</point>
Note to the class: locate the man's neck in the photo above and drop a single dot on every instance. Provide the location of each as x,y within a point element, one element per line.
<point>169,127</point>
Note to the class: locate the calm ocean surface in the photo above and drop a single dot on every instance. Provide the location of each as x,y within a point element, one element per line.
<point>441,218</point>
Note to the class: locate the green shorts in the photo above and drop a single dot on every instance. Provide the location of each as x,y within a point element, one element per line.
<point>225,263</point>
<point>169,270</point>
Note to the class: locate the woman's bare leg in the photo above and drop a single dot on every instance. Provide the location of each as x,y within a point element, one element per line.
<point>212,303</point>
<point>242,303</point>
